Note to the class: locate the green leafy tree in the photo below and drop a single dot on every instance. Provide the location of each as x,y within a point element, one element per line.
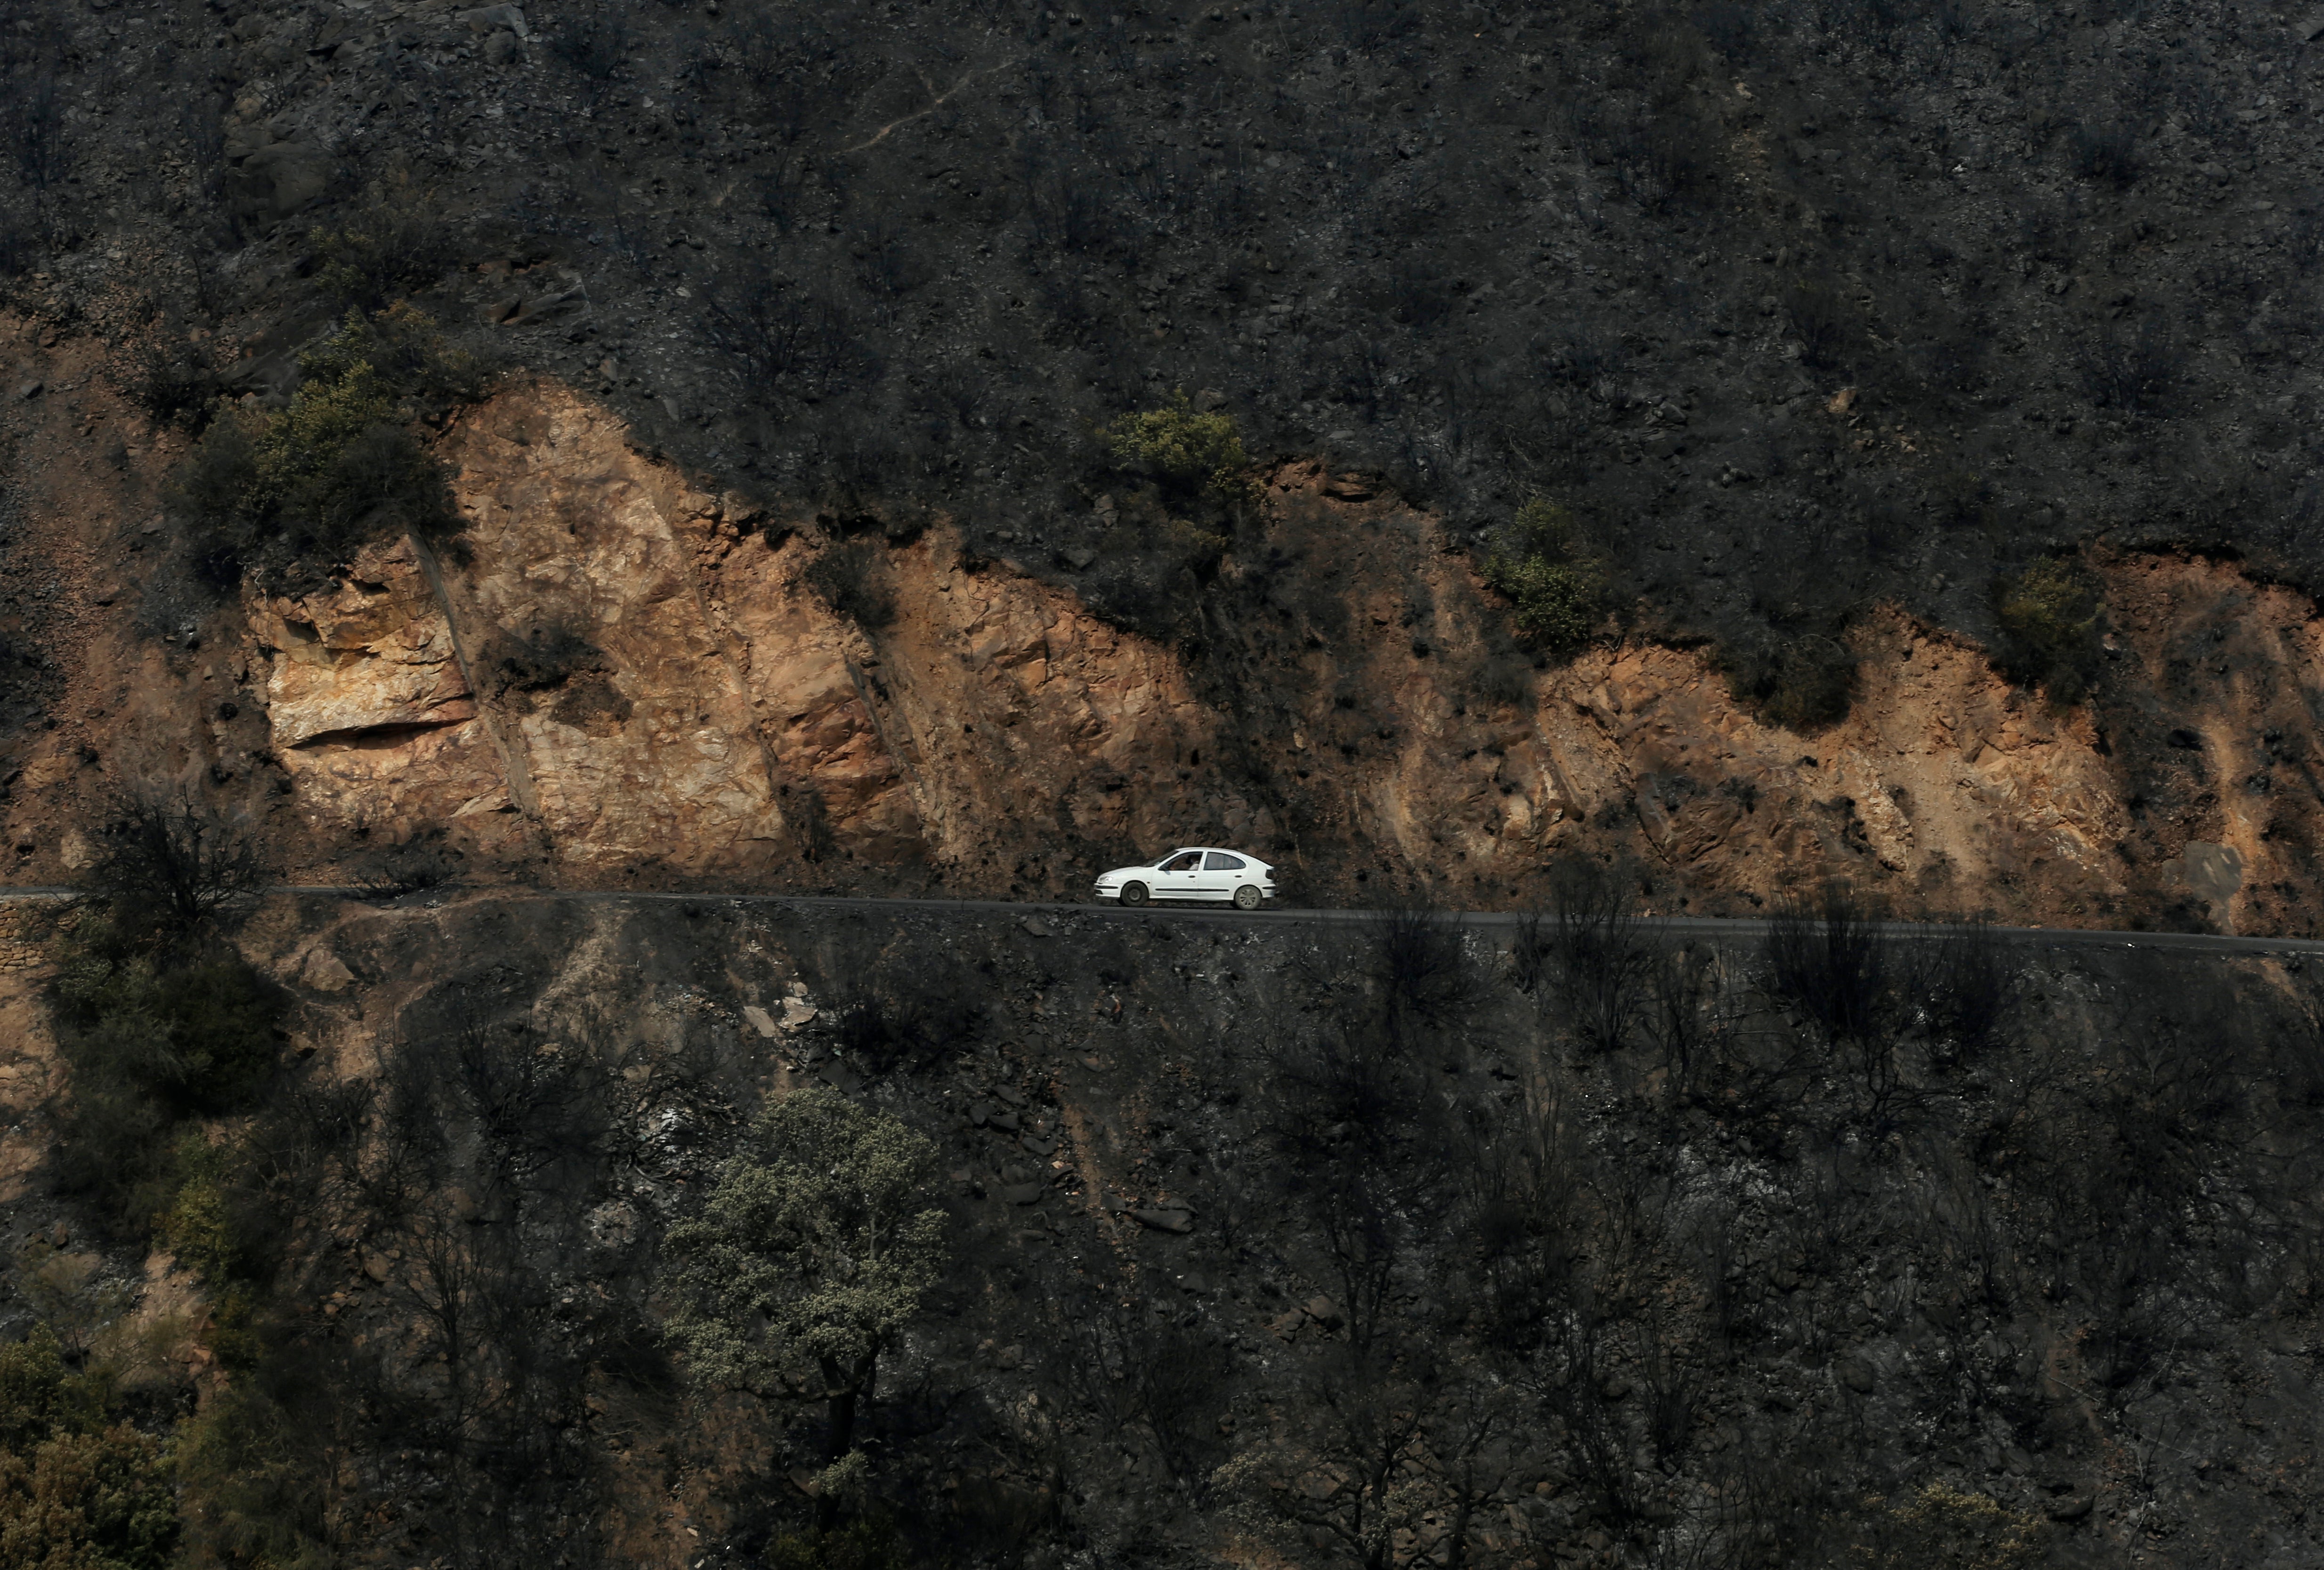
<point>155,1035</point>
<point>2049,616</point>
<point>252,1499</point>
<point>810,1258</point>
<point>1558,588</point>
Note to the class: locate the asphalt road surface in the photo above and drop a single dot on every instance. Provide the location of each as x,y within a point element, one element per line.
<point>2064,937</point>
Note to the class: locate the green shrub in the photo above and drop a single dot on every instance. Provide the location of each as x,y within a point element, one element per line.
<point>2048,616</point>
<point>197,1226</point>
<point>197,1038</point>
<point>341,463</point>
<point>850,578</point>
<point>329,459</point>
<point>39,1396</point>
<point>394,242</point>
<point>407,354</point>
<point>871,1544</point>
<point>222,468</point>
<point>1186,450</point>
<point>117,1150</point>
<point>1558,589</point>
<point>77,1492</point>
<point>1944,1528</point>
<point>220,1020</point>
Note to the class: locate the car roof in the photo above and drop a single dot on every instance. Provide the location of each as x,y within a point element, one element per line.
<point>1223,850</point>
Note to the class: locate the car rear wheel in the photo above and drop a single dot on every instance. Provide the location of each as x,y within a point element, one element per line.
<point>1133,893</point>
<point>1247,897</point>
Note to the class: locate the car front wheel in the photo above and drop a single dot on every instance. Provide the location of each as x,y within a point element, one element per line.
<point>1247,897</point>
<point>1133,893</point>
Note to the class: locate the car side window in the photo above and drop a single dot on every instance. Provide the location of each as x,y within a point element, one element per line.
<point>1184,864</point>
<point>1220,861</point>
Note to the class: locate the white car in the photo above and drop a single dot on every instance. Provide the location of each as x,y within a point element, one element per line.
<point>1194,872</point>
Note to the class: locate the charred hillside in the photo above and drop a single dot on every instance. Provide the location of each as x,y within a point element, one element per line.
<point>1849,299</point>
<point>1252,1242</point>
<point>1604,461</point>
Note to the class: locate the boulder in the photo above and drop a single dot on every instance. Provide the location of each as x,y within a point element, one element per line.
<point>485,19</point>
<point>559,305</point>
<point>326,972</point>
<point>276,181</point>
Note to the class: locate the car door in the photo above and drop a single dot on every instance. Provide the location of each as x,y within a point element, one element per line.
<point>1222,870</point>
<point>1176,877</point>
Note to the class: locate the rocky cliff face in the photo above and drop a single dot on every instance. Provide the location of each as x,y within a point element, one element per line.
<point>617,674</point>
<point>989,733</point>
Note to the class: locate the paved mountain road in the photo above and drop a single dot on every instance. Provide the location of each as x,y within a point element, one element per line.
<point>2065,938</point>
